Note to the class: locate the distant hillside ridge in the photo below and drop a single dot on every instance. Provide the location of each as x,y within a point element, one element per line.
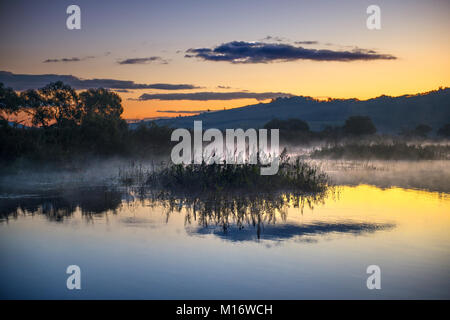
<point>390,114</point>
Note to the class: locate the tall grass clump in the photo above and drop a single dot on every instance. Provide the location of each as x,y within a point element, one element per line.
<point>294,175</point>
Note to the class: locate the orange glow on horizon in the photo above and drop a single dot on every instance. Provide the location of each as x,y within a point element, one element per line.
<point>137,110</point>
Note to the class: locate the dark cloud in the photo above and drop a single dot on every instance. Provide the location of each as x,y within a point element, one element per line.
<point>259,52</point>
<point>143,60</point>
<point>306,42</point>
<point>62,60</point>
<point>121,90</point>
<point>166,86</point>
<point>203,96</point>
<point>74,59</point>
<point>286,40</point>
<point>182,111</point>
<point>35,81</point>
<point>273,38</point>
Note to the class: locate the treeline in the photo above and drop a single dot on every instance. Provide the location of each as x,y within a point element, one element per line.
<point>66,126</point>
<point>383,151</point>
<point>63,125</point>
<point>357,139</point>
<point>297,131</point>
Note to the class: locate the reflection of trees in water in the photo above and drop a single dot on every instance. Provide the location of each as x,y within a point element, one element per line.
<point>231,216</point>
<point>59,205</point>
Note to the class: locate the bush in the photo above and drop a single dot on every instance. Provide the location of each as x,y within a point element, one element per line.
<point>291,130</point>
<point>444,131</point>
<point>359,125</point>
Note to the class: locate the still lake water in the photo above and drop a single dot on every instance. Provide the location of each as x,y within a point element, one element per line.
<point>127,247</point>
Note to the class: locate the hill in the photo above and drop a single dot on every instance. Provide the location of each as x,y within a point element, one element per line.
<point>390,114</point>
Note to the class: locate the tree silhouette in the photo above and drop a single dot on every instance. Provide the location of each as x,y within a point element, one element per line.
<point>101,103</point>
<point>444,131</point>
<point>287,125</point>
<point>359,125</point>
<point>63,102</point>
<point>422,130</point>
<point>35,106</point>
<point>9,102</point>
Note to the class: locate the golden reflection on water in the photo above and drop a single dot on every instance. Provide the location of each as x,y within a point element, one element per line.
<point>357,210</point>
<point>421,215</point>
<point>415,214</point>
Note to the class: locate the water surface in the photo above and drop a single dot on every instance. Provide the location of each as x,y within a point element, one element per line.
<point>135,247</point>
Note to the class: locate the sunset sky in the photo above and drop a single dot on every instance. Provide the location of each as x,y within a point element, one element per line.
<point>253,50</point>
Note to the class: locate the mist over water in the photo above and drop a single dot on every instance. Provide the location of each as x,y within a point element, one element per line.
<point>432,175</point>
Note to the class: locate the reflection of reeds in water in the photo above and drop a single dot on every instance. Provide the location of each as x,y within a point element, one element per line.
<point>233,216</point>
<point>237,209</point>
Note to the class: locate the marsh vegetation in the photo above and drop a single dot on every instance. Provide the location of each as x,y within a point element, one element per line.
<point>384,151</point>
<point>293,175</point>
